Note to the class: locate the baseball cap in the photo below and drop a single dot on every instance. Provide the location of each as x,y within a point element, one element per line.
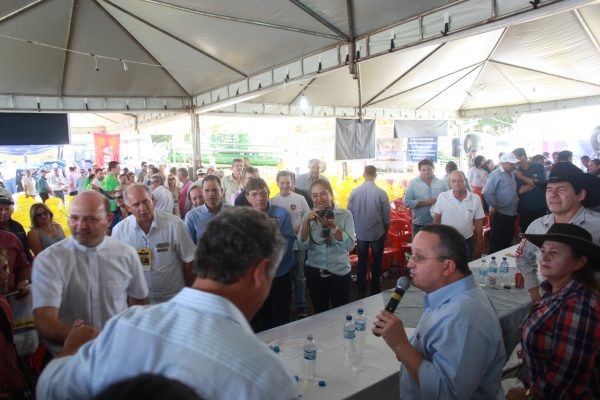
<point>5,197</point>
<point>509,158</point>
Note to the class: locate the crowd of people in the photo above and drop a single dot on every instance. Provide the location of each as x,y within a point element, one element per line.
<point>222,257</point>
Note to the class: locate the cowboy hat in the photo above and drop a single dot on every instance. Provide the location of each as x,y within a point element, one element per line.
<point>575,236</point>
<point>568,172</point>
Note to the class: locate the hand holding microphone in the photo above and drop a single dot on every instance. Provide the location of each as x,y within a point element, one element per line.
<point>384,319</point>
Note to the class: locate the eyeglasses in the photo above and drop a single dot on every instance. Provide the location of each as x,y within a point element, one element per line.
<point>417,259</point>
<point>119,197</point>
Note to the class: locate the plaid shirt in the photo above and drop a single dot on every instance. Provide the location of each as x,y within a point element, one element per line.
<point>561,344</point>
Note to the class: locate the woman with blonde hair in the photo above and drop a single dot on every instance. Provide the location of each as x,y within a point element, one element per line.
<point>172,186</point>
<point>44,231</point>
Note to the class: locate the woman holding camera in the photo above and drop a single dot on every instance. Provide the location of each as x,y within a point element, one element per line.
<point>327,232</point>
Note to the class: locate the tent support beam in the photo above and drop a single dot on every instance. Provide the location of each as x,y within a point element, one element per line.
<point>531,107</point>
<point>242,20</point>
<point>68,46</point>
<point>21,10</point>
<point>196,146</point>
<point>191,46</point>
<point>486,20</point>
<point>319,18</point>
<point>545,73</point>
<point>587,30</point>
<point>427,83</point>
<point>302,91</point>
<point>385,89</point>
<point>29,102</point>
<point>109,15</point>
<point>485,63</point>
<point>450,85</point>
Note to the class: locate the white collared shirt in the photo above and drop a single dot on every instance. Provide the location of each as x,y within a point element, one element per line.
<point>170,246</point>
<point>87,283</point>
<point>459,213</point>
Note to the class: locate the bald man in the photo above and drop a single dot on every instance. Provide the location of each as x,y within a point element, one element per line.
<point>86,278</point>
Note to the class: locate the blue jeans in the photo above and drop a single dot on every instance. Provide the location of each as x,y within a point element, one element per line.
<point>299,280</point>
<point>363,257</point>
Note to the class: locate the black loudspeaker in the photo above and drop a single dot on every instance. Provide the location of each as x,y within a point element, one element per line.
<point>456,147</point>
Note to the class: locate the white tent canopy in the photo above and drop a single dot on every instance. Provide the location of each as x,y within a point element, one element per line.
<point>261,56</point>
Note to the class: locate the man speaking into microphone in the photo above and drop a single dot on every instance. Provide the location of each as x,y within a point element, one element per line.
<point>456,351</point>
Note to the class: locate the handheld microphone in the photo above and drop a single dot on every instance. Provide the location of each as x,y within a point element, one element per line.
<point>401,287</point>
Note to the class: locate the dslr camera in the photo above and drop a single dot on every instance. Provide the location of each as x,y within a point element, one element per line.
<point>325,213</point>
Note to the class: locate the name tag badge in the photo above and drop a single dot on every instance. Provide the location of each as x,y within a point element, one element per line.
<point>162,247</point>
<point>145,254</point>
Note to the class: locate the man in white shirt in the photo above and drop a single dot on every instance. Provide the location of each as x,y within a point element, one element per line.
<point>233,183</point>
<point>58,183</point>
<point>296,205</point>
<point>162,242</point>
<point>202,336</point>
<point>88,277</point>
<point>28,184</point>
<point>163,198</point>
<point>463,210</point>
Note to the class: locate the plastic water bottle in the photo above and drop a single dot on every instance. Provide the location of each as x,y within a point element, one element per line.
<point>360,322</point>
<point>350,340</point>
<point>310,358</point>
<point>504,278</point>
<point>483,271</point>
<point>493,273</point>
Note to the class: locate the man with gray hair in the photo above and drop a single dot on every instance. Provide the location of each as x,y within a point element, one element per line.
<point>304,181</point>
<point>162,243</point>
<point>163,198</point>
<point>201,336</point>
<point>463,210</point>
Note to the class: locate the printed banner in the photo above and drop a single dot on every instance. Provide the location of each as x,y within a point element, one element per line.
<point>106,148</point>
<point>422,147</point>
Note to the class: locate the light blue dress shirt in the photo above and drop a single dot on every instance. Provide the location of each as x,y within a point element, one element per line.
<point>500,191</point>
<point>419,190</point>
<point>304,181</point>
<point>283,219</point>
<point>198,338</point>
<point>460,338</point>
<point>334,258</point>
<point>197,219</point>
<point>370,208</point>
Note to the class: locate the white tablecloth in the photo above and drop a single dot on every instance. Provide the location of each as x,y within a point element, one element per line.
<point>378,378</point>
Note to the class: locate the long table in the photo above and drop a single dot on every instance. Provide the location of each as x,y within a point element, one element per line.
<point>378,377</point>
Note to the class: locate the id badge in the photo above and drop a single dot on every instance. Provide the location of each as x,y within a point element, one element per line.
<point>145,254</point>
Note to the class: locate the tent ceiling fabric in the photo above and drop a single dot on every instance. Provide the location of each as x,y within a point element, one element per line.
<point>179,49</point>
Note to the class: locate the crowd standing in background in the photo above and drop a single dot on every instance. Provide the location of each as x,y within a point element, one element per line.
<point>160,217</point>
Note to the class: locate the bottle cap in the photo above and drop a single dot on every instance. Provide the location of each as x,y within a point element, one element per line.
<point>309,337</point>
<point>360,311</point>
<point>322,383</point>
<point>348,317</point>
<point>276,349</point>
<point>503,258</point>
